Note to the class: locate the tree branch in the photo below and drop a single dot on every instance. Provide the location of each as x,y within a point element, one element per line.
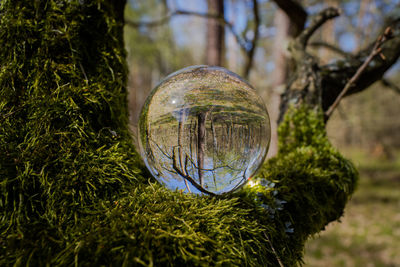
<point>295,11</point>
<point>248,47</point>
<point>155,23</point>
<point>335,76</point>
<point>251,51</point>
<point>317,22</point>
<point>331,47</point>
<point>387,35</point>
<point>187,177</point>
<point>322,85</point>
<point>305,85</point>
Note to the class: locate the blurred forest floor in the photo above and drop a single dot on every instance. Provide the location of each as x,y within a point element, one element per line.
<point>369,233</point>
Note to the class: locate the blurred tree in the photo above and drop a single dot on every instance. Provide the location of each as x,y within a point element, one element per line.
<point>289,21</point>
<point>215,33</point>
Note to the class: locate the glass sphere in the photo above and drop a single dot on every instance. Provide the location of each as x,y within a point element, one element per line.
<point>203,130</point>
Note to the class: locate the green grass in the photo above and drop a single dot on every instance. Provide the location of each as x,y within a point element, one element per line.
<point>369,232</point>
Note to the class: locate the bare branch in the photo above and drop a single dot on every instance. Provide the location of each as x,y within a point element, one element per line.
<point>155,23</point>
<point>333,48</point>
<point>250,53</point>
<point>247,46</point>
<point>387,35</point>
<point>335,76</point>
<point>187,177</point>
<point>316,23</point>
<point>274,251</point>
<point>295,12</point>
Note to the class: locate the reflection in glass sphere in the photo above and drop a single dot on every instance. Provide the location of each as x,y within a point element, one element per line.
<point>203,130</point>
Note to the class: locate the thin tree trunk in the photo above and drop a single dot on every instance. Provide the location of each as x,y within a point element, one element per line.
<point>201,138</point>
<point>289,22</point>
<point>181,129</point>
<point>215,34</point>
<point>280,74</point>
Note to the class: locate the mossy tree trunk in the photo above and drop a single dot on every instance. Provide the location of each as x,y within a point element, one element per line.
<point>64,141</point>
<point>73,190</point>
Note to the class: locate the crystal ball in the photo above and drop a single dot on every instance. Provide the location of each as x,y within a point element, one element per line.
<point>204,130</point>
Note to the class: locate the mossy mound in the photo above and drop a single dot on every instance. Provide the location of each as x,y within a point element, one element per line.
<point>73,190</point>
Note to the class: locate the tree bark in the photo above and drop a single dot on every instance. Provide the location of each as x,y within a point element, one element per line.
<point>201,145</point>
<point>280,74</point>
<point>181,129</point>
<point>215,33</point>
<point>295,13</point>
<point>65,96</point>
<point>289,21</point>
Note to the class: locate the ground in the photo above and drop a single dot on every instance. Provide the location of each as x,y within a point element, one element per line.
<point>369,232</point>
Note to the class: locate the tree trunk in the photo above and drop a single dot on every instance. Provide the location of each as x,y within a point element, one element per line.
<point>287,29</point>
<point>181,132</point>
<point>215,34</point>
<point>66,105</point>
<point>201,145</point>
<point>280,74</point>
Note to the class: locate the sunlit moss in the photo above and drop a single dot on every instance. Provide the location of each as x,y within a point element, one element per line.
<point>73,190</point>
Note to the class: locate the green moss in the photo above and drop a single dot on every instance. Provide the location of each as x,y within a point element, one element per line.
<point>73,190</point>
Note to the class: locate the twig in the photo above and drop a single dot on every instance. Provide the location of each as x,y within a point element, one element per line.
<point>187,177</point>
<point>317,22</point>
<point>154,23</point>
<point>247,46</point>
<point>250,52</point>
<point>376,50</point>
<point>299,44</point>
<point>274,251</point>
<point>333,48</point>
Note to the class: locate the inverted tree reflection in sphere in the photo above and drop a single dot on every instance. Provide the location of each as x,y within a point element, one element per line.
<point>203,130</point>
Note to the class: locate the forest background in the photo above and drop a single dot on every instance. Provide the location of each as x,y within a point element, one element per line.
<point>251,38</point>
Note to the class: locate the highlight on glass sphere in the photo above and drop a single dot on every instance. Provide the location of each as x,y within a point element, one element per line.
<point>203,130</point>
